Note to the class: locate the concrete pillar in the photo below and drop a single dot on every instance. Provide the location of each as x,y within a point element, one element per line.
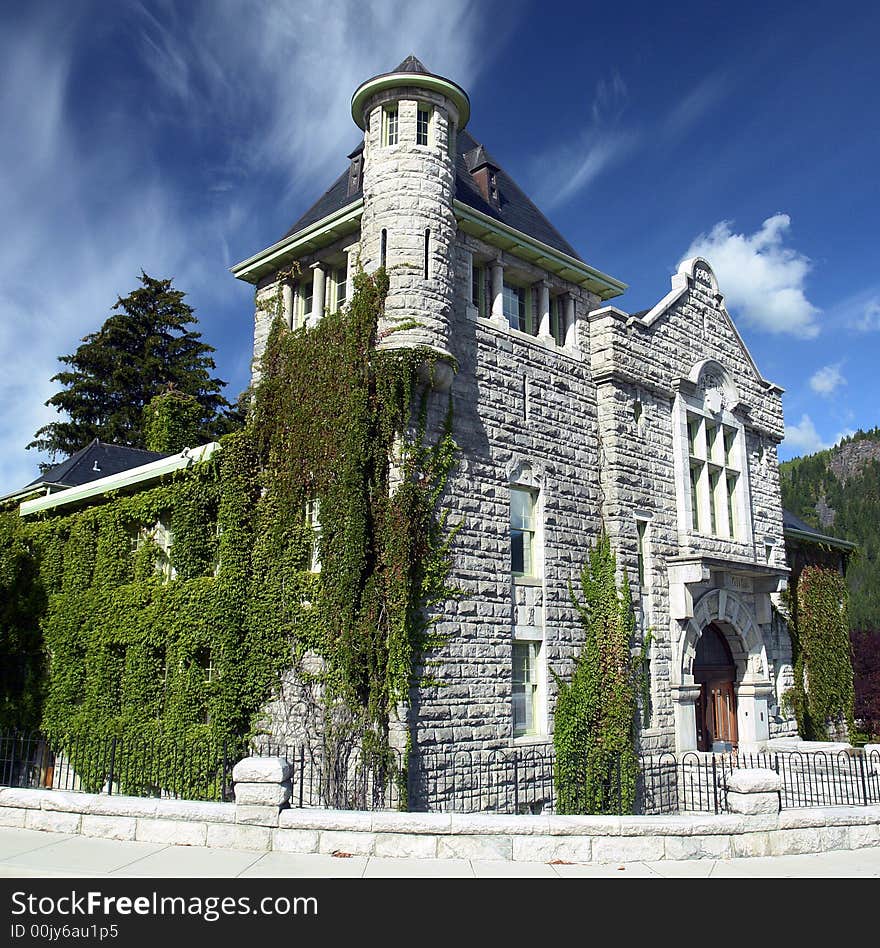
<point>570,327</point>
<point>753,716</point>
<point>497,271</point>
<point>262,789</point>
<point>684,698</point>
<point>753,790</point>
<point>544,311</point>
<point>287,302</point>
<point>352,255</point>
<point>318,286</point>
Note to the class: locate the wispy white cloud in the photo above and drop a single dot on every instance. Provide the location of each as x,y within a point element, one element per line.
<point>89,205</point>
<point>695,105</point>
<point>762,279</point>
<point>803,437</point>
<point>827,380</point>
<point>572,166</point>
<point>868,320</point>
<point>279,77</point>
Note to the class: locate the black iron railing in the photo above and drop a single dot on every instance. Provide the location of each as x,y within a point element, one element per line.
<point>351,776</point>
<point>169,767</point>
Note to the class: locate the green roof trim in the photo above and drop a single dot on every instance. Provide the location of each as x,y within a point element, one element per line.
<point>445,87</point>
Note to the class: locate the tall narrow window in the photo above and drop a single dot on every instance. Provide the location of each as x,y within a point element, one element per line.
<point>423,125</point>
<point>522,532</point>
<point>731,505</point>
<point>525,397</point>
<point>478,288</point>
<point>384,251</point>
<point>641,529</point>
<point>340,281</point>
<point>313,522</point>
<point>516,308</point>
<point>427,252</point>
<point>303,306</point>
<point>525,688</point>
<point>714,500</point>
<point>557,320</point>
<point>695,497</point>
<point>389,125</point>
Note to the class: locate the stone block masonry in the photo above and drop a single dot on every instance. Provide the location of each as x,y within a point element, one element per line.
<point>579,839</point>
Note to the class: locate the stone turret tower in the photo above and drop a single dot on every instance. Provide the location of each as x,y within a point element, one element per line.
<point>410,119</point>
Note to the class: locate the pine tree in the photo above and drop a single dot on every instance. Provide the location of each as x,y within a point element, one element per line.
<point>145,346</point>
<point>594,725</point>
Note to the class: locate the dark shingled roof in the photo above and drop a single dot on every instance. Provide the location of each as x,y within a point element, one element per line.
<point>94,461</point>
<point>514,208</point>
<point>791,522</point>
<point>412,64</point>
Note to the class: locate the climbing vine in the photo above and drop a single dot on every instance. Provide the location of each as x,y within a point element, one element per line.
<point>594,729</point>
<point>311,538</point>
<point>822,697</point>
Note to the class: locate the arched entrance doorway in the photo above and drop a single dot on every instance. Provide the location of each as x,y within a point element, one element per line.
<point>714,671</point>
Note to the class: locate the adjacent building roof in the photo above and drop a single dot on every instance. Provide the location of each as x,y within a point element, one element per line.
<point>514,208</point>
<point>797,529</point>
<point>94,461</point>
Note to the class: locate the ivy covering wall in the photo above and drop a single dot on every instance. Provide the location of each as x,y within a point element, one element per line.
<point>822,697</point>
<point>595,722</point>
<point>147,638</point>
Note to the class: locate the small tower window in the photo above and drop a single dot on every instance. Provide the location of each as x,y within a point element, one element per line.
<point>389,125</point>
<point>384,251</point>
<point>427,252</point>
<point>423,124</point>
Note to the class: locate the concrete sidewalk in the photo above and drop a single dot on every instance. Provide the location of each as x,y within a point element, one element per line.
<point>29,853</point>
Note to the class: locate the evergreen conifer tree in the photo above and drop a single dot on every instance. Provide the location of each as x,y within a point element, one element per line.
<point>145,346</point>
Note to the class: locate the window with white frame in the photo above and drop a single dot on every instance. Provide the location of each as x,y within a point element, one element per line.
<point>714,475</point>
<point>557,320</point>
<point>313,522</point>
<point>526,688</point>
<point>423,124</point>
<point>517,308</point>
<point>524,560</point>
<point>302,307</point>
<point>336,289</point>
<point>159,535</point>
<point>389,125</point>
<point>479,289</point>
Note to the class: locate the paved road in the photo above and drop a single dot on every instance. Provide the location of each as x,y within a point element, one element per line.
<point>30,853</point>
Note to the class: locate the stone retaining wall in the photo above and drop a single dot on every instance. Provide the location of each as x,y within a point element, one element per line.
<point>443,835</point>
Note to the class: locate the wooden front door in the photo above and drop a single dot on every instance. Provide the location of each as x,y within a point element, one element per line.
<point>715,672</point>
<point>716,716</point>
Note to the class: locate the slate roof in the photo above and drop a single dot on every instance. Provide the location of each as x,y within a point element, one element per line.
<point>514,208</point>
<point>791,522</point>
<point>94,461</point>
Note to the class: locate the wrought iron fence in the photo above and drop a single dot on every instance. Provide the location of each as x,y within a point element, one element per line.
<point>352,776</point>
<point>148,767</point>
<point>342,776</point>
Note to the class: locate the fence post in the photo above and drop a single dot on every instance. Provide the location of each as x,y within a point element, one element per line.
<point>515,782</point>
<point>862,756</point>
<point>715,784</point>
<point>302,757</point>
<point>112,766</point>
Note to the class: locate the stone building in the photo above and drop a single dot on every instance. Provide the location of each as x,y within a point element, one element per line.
<point>569,414</point>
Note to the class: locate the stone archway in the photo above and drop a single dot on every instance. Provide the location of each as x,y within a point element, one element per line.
<point>729,614</point>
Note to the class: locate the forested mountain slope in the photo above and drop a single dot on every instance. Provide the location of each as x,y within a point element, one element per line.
<point>838,492</point>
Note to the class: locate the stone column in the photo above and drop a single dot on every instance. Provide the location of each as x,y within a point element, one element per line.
<point>753,790</point>
<point>262,788</point>
<point>684,698</point>
<point>498,291</point>
<point>753,716</point>
<point>544,311</point>
<point>570,327</point>
<point>287,302</point>
<point>320,273</point>
<point>352,254</point>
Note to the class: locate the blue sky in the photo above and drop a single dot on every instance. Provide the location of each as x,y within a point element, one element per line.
<point>182,137</point>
